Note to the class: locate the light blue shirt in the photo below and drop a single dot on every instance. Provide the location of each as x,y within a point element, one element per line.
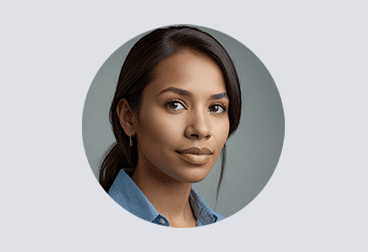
<point>128,195</point>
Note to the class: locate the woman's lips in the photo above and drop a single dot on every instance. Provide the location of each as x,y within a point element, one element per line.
<point>196,151</point>
<point>196,159</point>
<point>196,155</point>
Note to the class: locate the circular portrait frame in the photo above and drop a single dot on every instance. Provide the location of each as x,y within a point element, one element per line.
<point>253,151</point>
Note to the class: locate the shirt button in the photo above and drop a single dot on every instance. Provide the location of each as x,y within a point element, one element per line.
<point>162,221</point>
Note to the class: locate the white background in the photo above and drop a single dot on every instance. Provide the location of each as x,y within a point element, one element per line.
<point>316,52</point>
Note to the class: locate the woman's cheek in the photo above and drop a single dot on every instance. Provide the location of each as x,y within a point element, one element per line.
<point>222,126</point>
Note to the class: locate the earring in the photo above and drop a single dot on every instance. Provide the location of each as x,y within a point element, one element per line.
<point>130,140</point>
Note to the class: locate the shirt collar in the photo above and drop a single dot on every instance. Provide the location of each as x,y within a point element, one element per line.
<point>128,195</point>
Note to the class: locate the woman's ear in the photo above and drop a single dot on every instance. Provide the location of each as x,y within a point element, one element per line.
<point>126,116</point>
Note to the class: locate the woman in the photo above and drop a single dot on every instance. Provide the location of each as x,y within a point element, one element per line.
<point>177,101</point>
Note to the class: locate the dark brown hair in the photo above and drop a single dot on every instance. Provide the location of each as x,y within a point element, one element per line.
<point>138,71</point>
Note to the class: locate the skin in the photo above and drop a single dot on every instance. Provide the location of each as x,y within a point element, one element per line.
<point>173,120</point>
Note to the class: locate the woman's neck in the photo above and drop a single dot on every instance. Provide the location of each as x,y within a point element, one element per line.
<point>169,196</point>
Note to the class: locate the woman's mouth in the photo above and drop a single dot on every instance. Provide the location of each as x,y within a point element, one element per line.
<point>196,155</point>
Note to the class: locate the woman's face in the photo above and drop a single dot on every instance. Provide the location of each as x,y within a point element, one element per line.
<point>183,121</point>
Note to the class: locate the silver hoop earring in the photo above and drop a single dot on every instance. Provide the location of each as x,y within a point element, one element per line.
<point>130,140</point>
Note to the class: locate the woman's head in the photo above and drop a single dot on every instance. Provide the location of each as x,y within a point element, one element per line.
<point>185,106</point>
<point>158,61</point>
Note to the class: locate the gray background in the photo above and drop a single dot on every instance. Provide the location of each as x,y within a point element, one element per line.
<point>252,152</point>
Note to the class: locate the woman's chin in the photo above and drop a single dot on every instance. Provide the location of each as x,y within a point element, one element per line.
<point>192,176</point>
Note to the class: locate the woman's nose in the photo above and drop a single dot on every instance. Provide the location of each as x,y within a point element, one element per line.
<point>198,126</point>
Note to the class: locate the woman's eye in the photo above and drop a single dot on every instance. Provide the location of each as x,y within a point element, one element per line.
<point>175,105</point>
<point>216,109</point>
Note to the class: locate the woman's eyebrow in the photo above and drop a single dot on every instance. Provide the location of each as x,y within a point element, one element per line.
<point>176,90</point>
<point>220,96</point>
<point>187,93</point>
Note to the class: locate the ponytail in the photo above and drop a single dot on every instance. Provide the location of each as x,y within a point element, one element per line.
<point>115,159</point>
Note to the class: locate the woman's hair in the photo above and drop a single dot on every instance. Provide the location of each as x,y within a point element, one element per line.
<point>138,71</point>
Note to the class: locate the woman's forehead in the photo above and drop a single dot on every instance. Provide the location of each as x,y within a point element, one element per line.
<point>196,73</point>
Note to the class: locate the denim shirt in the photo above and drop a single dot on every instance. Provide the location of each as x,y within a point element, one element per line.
<point>128,195</point>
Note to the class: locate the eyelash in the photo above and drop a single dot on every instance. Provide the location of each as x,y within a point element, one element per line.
<point>170,102</point>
